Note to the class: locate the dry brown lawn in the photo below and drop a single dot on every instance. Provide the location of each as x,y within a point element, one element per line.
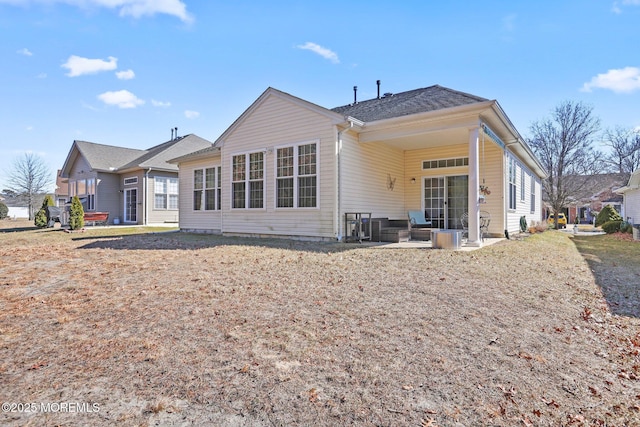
<point>177,329</point>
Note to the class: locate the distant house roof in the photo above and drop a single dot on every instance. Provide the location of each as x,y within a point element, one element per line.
<point>204,153</point>
<point>110,158</point>
<point>602,187</point>
<point>415,101</point>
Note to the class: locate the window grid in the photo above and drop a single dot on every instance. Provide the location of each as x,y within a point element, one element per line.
<point>533,194</point>
<point>445,163</point>
<point>296,176</point>
<point>512,184</point>
<point>247,181</point>
<point>166,193</point>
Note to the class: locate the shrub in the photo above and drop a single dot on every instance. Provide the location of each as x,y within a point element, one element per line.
<point>611,227</point>
<point>76,216</point>
<point>523,224</point>
<point>626,227</point>
<point>41,216</point>
<point>608,213</point>
<point>4,211</point>
<point>538,226</point>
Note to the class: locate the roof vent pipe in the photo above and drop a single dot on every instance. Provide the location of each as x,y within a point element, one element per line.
<point>378,83</point>
<point>355,95</point>
<point>171,135</point>
<point>176,128</point>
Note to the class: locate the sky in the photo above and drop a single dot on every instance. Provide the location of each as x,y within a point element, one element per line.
<point>126,72</point>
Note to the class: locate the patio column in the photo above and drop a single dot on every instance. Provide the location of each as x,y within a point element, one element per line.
<point>474,186</point>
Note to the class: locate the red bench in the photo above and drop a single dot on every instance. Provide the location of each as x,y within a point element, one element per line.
<point>96,217</point>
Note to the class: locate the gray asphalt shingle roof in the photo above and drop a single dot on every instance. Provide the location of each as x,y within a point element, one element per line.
<point>109,157</point>
<point>415,101</point>
<point>105,157</point>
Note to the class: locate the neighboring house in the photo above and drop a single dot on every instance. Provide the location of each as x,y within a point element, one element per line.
<point>596,191</point>
<point>631,198</point>
<point>133,186</point>
<point>288,167</point>
<point>61,193</point>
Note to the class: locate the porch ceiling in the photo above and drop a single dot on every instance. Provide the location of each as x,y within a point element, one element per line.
<point>429,129</point>
<point>418,139</point>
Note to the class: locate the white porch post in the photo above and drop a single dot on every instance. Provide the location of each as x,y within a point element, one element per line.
<point>474,183</point>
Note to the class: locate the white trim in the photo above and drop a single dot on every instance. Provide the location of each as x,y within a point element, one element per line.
<point>247,192</point>
<point>217,177</point>
<point>124,180</point>
<point>125,205</point>
<point>167,193</point>
<point>295,146</point>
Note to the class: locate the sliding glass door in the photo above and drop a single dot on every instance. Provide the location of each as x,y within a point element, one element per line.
<point>445,200</point>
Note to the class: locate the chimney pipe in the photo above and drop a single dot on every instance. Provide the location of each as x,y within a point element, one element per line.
<point>176,132</point>
<point>171,135</point>
<point>378,83</point>
<point>355,94</point>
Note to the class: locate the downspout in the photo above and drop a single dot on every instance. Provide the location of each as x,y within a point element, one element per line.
<point>339,185</point>
<point>339,179</point>
<point>144,199</point>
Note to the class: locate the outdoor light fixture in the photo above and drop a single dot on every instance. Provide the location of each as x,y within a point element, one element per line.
<point>413,180</point>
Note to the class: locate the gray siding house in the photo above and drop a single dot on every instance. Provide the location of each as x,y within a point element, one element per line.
<point>133,186</point>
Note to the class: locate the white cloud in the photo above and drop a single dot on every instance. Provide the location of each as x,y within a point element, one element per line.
<point>615,8</point>
<point>623,80</point>
<point>135,8</point>
<point>24,51</point>
<point>322,51</point>
<point>156,103</point>
<point>189,114</point>
<point>125,75</point>
<point>41,76</point>
<point>79,66</point>
<point>121,99</point>
<point>509,22</point>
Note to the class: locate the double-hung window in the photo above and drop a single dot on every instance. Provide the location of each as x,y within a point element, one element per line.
<point>533,194</point>
<point>206,189</point>
<point>296,176</point>
<point>522,185</point>
<point>247,180</point>
<point>166,193</point>
<point>512,183</point>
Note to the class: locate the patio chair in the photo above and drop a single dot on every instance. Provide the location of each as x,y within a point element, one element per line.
<point>485,219</point>
<point>418,226</point>
<point>464,221</point>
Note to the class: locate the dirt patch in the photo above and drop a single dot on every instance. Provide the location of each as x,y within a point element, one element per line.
<point>175,329</point>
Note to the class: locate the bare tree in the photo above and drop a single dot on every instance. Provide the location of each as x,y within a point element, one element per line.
<point>563,143</point>
<point>625,149</point>
<point>29,179</point>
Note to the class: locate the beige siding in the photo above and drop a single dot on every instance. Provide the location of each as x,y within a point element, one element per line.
<point>191,220</point>
<point>523,207</point>
<point>279,122</point>
<point>490,172</point>
<point>372,179</point>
